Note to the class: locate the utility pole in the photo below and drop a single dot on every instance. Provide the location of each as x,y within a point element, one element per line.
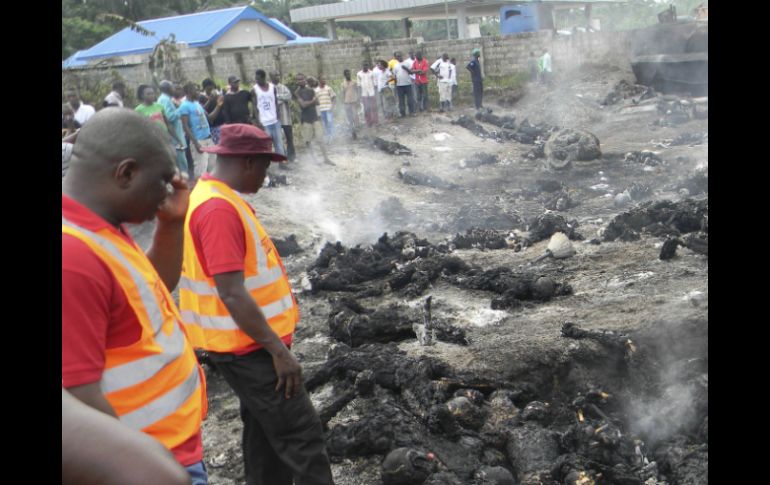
<point>446,14</point>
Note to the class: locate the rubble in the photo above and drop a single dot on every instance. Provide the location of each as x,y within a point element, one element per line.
<point>391,147</point>
<point>405,466</point>
<point>506,122</point>
<point>276,180</point>
<point>547,224</point>
<point>568,145</point>
<point>690,139</point>
<point>479,159</point>
<point>513,287</point>
<point>658,218</point>
<point>624,90</point>
<point>412,177</point>
<point>471,216</point>
<point>644,157</point>
<point>354,325</point>
<point>481,239</point>
<point>287,246</point>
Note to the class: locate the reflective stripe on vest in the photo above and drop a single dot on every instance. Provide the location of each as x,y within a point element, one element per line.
<point>227,323</point>
<point>143,369</point>
<point>202,288</point>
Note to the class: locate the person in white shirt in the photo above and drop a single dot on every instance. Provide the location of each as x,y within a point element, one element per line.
<point>83,112</point>
<point>410,64</point>
<point>366,82</point>
<point>444,71</point>
<point>385,90</point>
<point>545,64</point>
<point>404,86</point>
<point>115,98</point>
<point>266,109</point>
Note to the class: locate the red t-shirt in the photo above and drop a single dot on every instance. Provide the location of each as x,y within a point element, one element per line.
<point>220,242</point>
<point>421,66</point>
<point>95,314</point>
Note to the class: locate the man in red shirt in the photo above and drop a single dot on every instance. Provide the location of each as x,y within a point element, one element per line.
<point>420,67</point>
<point>122,170</point>
<point>237,304</point>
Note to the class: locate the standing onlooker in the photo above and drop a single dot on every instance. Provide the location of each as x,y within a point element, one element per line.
<point>378,72</point>
<point>68,123</point>
<point>150,108</point>
<point>420,68</point>
<point>409,61</point>
<point>367,83</point>
<point>171,112</point>
<point>351,98</point>
<point>115,98</point>
<point>404,86</point>
<point>326,97</point>
<point>442,68</point>
<point>208,100</point>
<point>453,61</point>
<point>474,66</point>
<point>311,127</point>
<point>385,88</point>
<point>266,109</point>
<point>236,107</point>
<point>283,95</point>
<point>195,122</point>
<point>545,63</point>
<point>82,112</point>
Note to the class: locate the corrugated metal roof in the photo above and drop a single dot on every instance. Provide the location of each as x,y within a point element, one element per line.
<point>73,61</point>
<point>196,30</point>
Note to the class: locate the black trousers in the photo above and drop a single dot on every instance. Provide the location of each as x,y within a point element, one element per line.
<point>282,438</point>
<point>422,97</point>
<point>289,132</point>
<point>405,93</point>
<point>478,92</point>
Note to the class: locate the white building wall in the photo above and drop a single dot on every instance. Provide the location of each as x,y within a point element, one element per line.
<point>249,33</point>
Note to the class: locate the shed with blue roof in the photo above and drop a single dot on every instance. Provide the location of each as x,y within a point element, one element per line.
<point>218,30</point>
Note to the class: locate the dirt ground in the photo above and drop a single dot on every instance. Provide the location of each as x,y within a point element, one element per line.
<point>620,286</point>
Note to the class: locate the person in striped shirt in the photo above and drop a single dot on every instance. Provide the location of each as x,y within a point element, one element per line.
<point>326,97</point>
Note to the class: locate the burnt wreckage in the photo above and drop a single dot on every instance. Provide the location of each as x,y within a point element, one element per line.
<point>431,423</point>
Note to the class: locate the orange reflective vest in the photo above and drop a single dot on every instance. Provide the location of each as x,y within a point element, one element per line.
<point>205,316</point>
<point>155,384</point>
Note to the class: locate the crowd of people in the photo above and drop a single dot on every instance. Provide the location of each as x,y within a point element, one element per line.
<point>193,116</point>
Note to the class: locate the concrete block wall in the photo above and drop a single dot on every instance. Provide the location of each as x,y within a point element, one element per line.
<point>501,56</point>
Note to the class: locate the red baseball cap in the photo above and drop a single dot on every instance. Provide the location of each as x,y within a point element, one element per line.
<point>243,139</point>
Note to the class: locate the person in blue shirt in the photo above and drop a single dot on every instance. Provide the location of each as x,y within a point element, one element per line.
<point>474,66</point>
<point>195,122</point>
<point>172,116</point>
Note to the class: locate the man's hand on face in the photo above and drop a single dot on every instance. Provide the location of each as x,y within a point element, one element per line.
<point>174,208</point>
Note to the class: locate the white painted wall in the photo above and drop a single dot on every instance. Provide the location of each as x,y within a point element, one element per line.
<point>246,33</point>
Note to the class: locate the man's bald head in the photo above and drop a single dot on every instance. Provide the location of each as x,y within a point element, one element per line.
<point>112,135</point>
<point>121,162</point>
<point>166,87</point>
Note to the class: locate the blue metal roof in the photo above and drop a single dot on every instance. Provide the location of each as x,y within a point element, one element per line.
<point>196,30</point>
<point>73,61</point>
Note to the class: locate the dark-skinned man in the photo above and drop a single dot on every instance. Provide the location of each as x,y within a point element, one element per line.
<point>124,350</point>
<point>237,304</point>
<point>89,439</point>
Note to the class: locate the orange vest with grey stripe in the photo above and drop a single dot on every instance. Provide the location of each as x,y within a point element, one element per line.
<point>155,384</point>
<point>205,316</point>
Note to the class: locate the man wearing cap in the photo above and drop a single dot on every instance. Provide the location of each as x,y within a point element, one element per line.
<point>237,304</point>
<point>236,107</point>
<point>474,66</point>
